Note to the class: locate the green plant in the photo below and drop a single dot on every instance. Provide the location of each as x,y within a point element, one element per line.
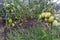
<point>36,33</point>
<point>17,9</point>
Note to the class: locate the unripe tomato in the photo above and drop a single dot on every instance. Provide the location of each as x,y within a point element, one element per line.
<point>40,17</point>
<point>47,15</point>
<point>51,19</point>
<point>13,24</point>
<point>10,20</point>
<point>12,10</point>
<point>55,23</point>
<point>43,15</point>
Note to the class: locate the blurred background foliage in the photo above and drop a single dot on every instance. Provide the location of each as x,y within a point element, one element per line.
<point>25,8</point>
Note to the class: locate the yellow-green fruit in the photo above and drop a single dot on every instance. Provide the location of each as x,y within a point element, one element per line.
<point>13,24</point>
<point>10,20</point>
<point>55,23</point>
<point>43,15</point>
<point>47,15</point>
<point>51,19</point>
<point>12,10</point>
<point>40,17</point>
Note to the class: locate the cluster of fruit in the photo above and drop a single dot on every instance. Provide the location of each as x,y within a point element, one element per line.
<point>11,23</point>
<point>48,17</point>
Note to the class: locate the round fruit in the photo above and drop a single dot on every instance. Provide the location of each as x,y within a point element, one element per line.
<point>13,24</point>
<point>47,15</point>
<point>51,19</point>
<point>55,23</point>
<point>12,10</point>
<point>43,15</point>
<point>40,17</point>
<point>10,20</point>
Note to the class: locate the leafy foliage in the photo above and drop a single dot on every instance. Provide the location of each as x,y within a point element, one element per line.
<point>18,8</point>
<point>36,33</point>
